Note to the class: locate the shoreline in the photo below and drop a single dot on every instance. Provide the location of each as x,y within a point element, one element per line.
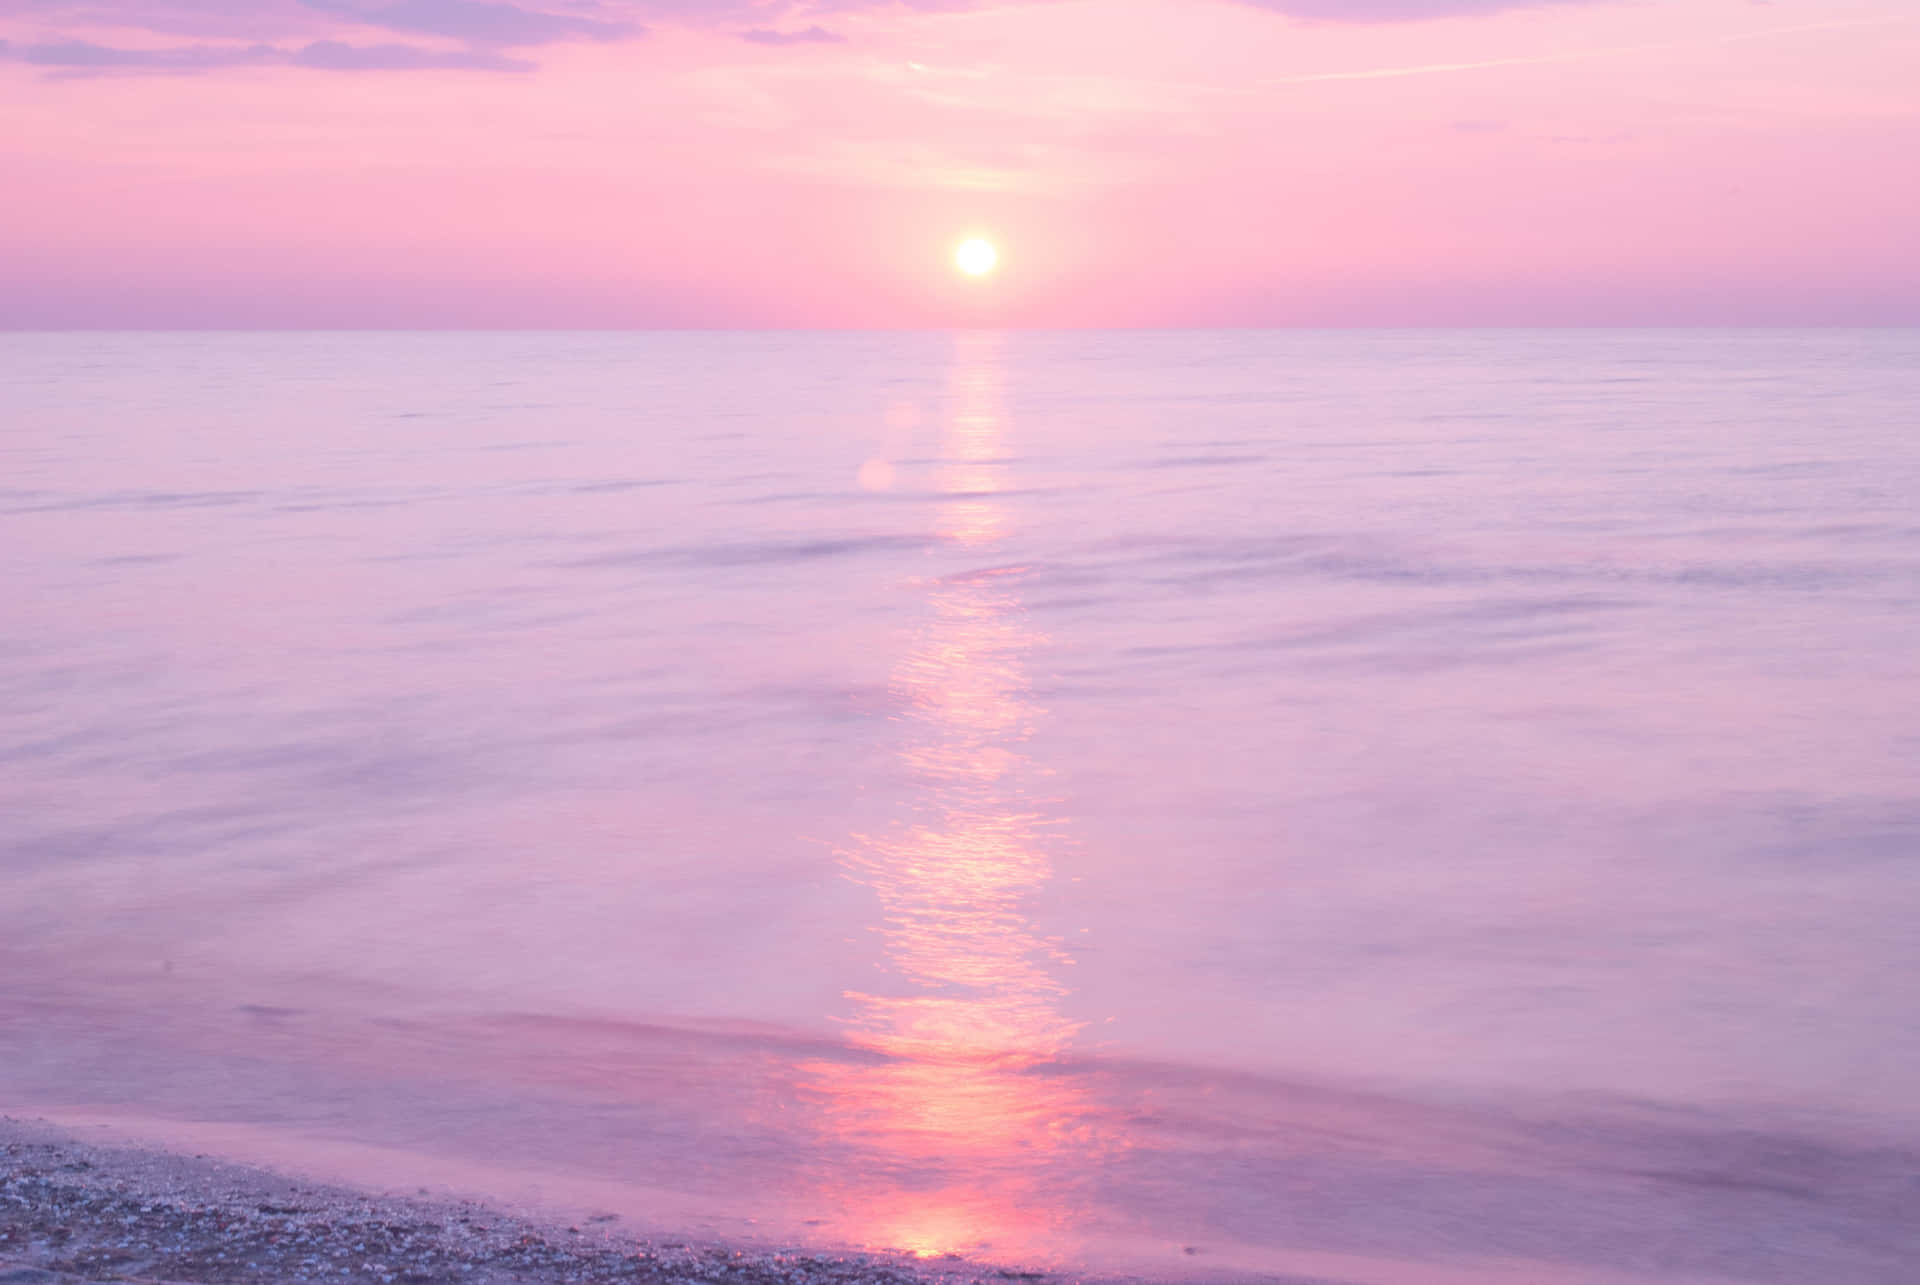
<point>73,1210</point>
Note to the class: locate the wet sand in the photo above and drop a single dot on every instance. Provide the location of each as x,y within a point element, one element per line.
<point>75,1211</point>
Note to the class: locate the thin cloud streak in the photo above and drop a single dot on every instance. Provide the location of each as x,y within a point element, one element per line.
<point>84,58</point>
<point>479,22</point>
<point>809,36</point>
<point>335,55</point>
<point>1583,55</point>
<point>1356,12</point>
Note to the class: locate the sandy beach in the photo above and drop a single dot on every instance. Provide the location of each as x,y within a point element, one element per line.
<point>72,1210</point>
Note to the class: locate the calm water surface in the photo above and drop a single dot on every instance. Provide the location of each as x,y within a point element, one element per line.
<point>1384,807</point>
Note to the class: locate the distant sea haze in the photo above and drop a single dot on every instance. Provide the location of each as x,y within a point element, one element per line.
<point>1386,807</point>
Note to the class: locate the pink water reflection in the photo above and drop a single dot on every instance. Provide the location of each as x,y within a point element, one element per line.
<point>966,1110</point>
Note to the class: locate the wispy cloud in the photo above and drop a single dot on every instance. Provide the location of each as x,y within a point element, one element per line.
<point>335,55</point>
<point>1369,11</point>
<point>84,57</point>
<point>87,37</point>
<point>1578,55</point>
<point>478,22</point>
<point>805,36</point>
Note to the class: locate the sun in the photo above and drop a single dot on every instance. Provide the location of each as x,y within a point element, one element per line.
<point>976,257</point>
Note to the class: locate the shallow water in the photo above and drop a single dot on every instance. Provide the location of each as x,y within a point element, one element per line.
<point>1318,801</point>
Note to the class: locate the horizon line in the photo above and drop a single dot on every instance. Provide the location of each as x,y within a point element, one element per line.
<point>962,329</point>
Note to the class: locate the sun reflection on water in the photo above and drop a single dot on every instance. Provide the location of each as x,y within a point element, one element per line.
<point>967,1115</point>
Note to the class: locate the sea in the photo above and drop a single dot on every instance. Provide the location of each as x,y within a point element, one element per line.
<point>1377,807</point>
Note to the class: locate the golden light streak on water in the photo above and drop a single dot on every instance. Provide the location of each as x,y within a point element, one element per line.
<point>968,1100</point>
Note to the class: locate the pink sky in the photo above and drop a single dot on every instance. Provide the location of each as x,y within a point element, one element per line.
<point>1138,162</point>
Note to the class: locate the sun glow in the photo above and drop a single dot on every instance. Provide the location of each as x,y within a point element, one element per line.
<point>976,257</point>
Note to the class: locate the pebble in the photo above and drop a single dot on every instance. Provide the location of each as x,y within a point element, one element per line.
<point>72,1213</point>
